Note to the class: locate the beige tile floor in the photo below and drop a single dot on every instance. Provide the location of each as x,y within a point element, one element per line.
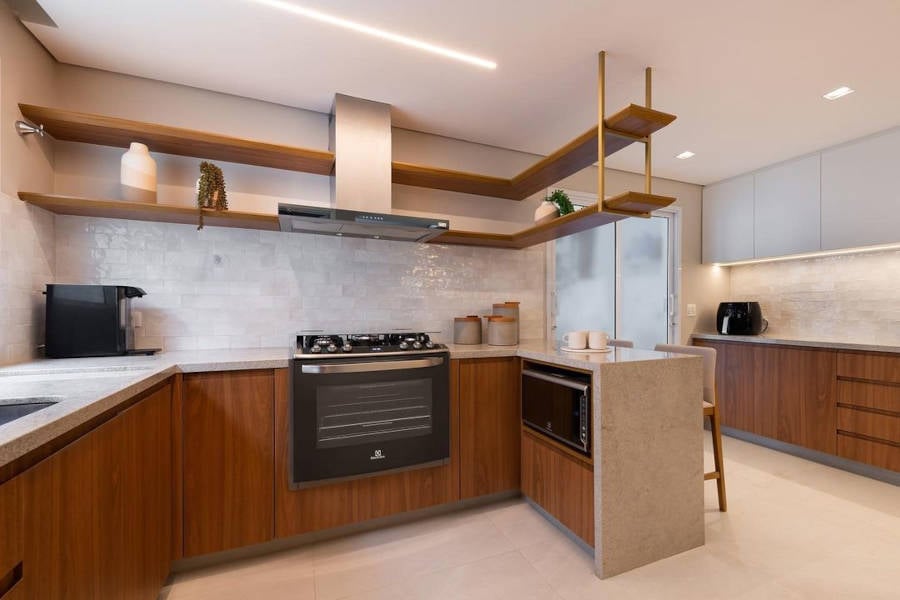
<point>795,529</point>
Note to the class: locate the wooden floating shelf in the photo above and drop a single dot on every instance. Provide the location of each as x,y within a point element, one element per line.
<point>631,124</point>
<point>111,131</point>
<point>159,213</point>
<point>623,206</point>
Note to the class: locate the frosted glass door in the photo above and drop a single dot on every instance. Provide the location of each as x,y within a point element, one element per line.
<point>585,296</point>
<point>644,286</point>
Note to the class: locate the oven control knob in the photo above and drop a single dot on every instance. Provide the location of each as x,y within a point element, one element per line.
<point>417,345</point>
<point>404,345</point>
<point>316,349</point>
<point>429,344</point>
<point>347,348</point>
<point>331,348</point>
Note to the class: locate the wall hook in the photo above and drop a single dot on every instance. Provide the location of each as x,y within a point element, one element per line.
<point>26,128</point>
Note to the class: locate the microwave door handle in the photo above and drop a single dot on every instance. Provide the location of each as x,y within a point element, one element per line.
<point>372,367</point>
<point>559,380</point>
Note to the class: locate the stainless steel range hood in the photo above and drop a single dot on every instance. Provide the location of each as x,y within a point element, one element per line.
<point>361,186</point>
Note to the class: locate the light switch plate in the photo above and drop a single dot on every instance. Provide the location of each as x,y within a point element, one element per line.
<point>692,310</point>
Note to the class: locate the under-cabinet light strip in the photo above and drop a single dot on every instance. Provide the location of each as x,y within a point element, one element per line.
<point>821,253</point>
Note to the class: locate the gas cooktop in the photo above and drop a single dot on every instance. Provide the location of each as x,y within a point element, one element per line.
<point>366,344</point>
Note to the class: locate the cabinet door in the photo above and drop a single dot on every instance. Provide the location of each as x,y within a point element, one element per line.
<point>11,552</point>
<point>728,220</point>
<point>861,193</point>
<point>734,383</point>
<point>229,453</point>
<point>490,425</point>
<point>787,208</point>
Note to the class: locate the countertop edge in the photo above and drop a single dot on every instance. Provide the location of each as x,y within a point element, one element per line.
<point>760,339</point>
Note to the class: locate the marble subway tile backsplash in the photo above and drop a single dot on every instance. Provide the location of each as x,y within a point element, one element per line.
<point>220,288</point>
<point>850,297</point>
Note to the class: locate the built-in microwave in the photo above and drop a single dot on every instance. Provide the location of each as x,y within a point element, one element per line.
<point>557,403</point>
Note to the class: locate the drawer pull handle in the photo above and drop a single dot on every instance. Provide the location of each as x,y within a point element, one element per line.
<point>9,581</point>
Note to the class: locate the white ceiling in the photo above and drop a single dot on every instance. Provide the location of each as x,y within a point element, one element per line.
<point>744,78</point>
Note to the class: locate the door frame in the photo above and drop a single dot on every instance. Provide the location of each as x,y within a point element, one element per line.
<point>673,214</point>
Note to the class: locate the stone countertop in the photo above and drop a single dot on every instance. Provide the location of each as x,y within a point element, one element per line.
<point>84,388</point>
<point>802,342</point>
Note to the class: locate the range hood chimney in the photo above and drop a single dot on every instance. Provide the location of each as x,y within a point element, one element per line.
<point>361,185</point>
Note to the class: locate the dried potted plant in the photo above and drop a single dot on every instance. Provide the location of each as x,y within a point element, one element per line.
<point>210,190</point>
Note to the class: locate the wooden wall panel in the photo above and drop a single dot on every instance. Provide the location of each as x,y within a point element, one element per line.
<point>490,423</point>
<point>229,452</point>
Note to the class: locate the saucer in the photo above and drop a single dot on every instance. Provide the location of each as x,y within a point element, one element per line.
<point>586,350</point>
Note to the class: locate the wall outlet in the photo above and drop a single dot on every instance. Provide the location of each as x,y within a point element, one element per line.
<point>692,310</point>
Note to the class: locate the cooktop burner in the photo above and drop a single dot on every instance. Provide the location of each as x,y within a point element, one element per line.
<point>365,343</point>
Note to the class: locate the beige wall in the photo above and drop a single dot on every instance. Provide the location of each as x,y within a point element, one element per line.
<point>26,234</point>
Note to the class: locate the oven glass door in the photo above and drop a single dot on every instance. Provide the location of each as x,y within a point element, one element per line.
<point>362,416</point>
<point>558,407</point>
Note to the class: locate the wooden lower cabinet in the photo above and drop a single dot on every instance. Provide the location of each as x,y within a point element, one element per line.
<point>228,424</point>
<point>783,393</point>
<point>345,503</point>
<point>11,540</point>
<point>490,424</point>
<point>559,481</point>
<point>97,514</point>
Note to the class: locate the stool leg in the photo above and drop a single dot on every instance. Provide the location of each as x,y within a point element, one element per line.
<point>716,427</point>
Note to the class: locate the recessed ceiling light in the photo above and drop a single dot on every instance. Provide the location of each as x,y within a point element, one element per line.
<point>684,155</point>
<point>838,93</point>
<point>379,33</point>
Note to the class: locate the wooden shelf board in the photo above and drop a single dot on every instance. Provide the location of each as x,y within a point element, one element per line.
<point>452,181</point>
<point>160,213</point>
<point>631,124</point>
<point>582,220</point>
<point>111,131</point>
<point>637,202</point>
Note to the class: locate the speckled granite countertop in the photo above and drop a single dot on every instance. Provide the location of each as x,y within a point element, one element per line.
<point>790,341</point>
<point>84,388</point>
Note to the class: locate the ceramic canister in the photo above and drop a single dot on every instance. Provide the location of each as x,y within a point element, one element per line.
<point>502,331</point>
<point>138,175</point>
<point>467,330</point>
<point>510,308</point>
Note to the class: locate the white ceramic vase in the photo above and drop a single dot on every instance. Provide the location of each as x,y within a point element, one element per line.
<point>546,211</point>
<point>138,176</point>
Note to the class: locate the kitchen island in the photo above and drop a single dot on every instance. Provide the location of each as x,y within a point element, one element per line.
<point>645,485</point>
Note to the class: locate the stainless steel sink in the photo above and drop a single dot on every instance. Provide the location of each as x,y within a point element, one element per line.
<point>13,408</point>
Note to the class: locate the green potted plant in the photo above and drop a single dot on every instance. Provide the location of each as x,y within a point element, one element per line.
<point>554,205</point>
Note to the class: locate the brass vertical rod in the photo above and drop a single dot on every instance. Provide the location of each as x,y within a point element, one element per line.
<point>601,127</point>
<point>648,176</point>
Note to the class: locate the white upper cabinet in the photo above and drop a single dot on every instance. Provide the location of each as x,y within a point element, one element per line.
<point>786,206</point>
<point>861,192</point>
<point>728,220</point>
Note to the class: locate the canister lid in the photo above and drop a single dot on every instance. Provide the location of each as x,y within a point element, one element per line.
<point>500,318</point>
<point>468,318</point>
<point>507,304</point>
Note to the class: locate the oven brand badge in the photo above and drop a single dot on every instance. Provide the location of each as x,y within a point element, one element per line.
<point>377,456</point>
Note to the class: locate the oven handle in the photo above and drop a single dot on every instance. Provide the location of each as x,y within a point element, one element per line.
<point>558,379</point>
<point>371,367</point>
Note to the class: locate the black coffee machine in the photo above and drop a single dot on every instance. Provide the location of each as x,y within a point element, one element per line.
<point>90,320</point>
<point>740,318</point>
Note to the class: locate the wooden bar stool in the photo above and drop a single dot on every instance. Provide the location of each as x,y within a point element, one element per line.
<point>710,409</point>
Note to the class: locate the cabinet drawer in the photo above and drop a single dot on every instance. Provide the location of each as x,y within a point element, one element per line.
<point>10,534</point>
<point>881,396</point>
<point>874,367</point>
<point>877,454</point>
<point>874,425</point>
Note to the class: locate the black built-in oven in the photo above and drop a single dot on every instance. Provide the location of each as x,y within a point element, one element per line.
<point>557,403</point>
<point>362,416</point>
